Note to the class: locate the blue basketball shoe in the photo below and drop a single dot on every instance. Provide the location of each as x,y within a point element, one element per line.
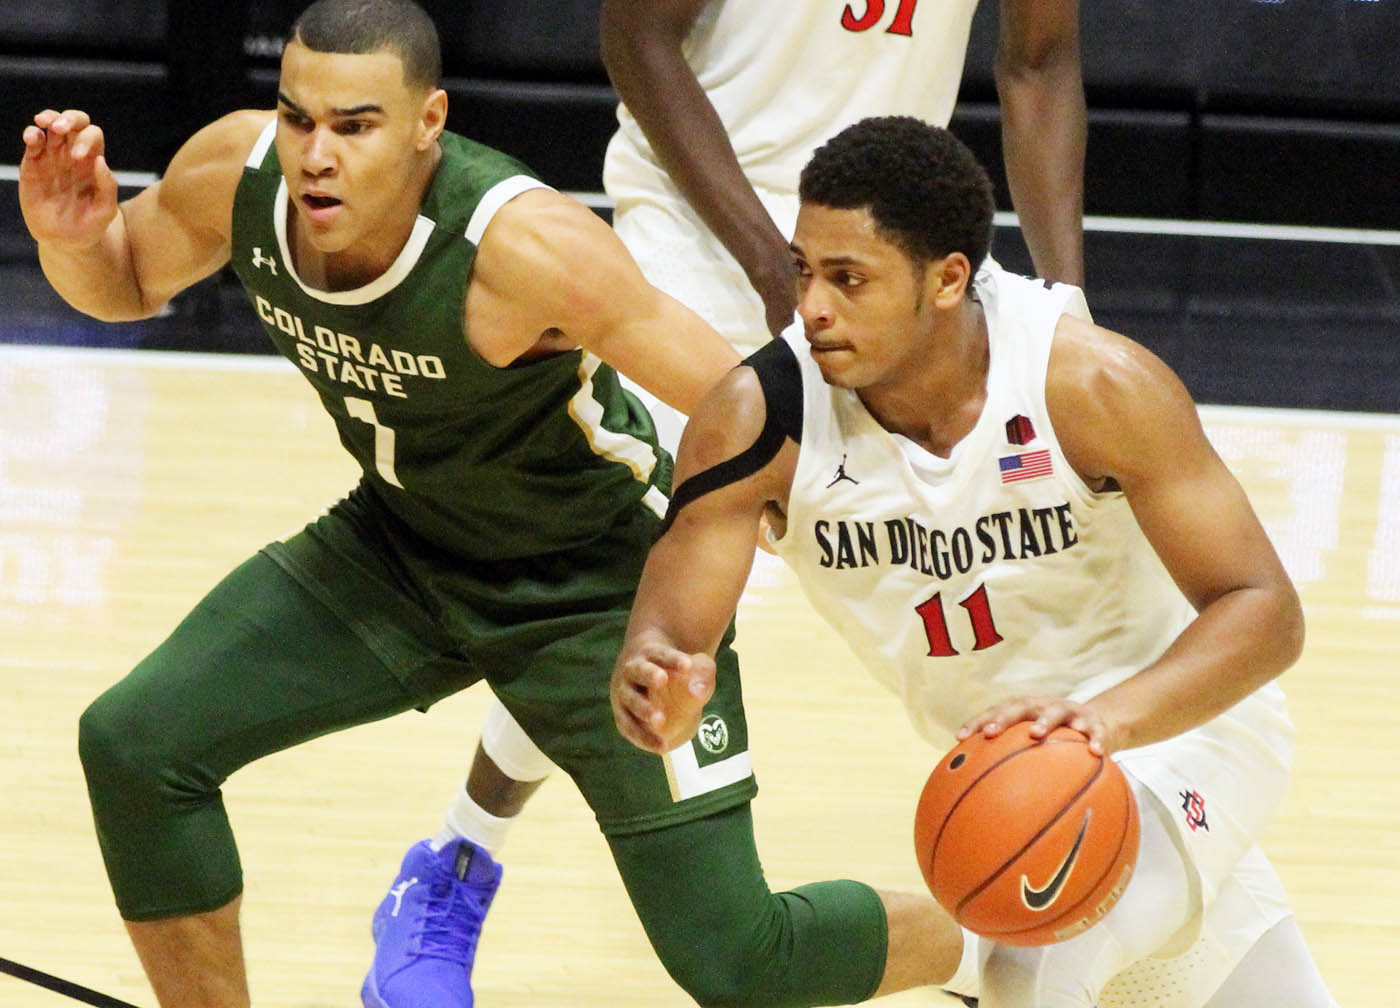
<point>426,928</point>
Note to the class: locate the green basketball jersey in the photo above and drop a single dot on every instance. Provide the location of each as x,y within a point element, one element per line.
<point>487,462</point>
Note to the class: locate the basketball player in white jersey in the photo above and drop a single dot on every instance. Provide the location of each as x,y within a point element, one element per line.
<point>1012,515</point>
<point>722,104</point>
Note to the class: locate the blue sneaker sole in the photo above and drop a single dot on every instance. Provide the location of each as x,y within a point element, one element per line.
<point>369,994</point>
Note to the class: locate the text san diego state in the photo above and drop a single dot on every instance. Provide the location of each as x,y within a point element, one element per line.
<point>941,553</point>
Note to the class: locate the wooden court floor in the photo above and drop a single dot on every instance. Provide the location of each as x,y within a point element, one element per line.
<point>129,483</point>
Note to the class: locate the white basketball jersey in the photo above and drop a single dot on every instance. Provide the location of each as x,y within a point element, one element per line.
<point>784,75</point>
<point>990,573</point>
<point>998,572</point>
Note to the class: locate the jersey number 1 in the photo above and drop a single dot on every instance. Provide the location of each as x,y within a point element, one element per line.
<point>363,409</point>
<point>984,630</point>
<point>903,23</point>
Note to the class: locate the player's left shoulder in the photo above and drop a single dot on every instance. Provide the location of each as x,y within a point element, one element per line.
<point>1112,401</point>
<point>1091,364</point>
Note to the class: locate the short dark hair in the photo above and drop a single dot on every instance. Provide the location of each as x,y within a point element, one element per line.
<point>925,190</point>
<point>368,26</point>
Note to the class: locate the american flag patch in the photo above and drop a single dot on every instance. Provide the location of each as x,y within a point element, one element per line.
<point>1027,465</point>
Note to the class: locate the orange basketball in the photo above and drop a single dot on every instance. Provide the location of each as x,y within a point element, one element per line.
<point>1026,842</point>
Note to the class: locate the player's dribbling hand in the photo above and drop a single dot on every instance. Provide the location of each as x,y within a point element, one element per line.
<point>659,695</point>
<point>1046,714</point>
<point>67,194</point>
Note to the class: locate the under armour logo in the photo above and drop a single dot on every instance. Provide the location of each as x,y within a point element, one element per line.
<point>398,891</point>
<point>841,475</point>
<point>259,261</point>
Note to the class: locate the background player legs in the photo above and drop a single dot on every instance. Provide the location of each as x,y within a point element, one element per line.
<point>506,770</point>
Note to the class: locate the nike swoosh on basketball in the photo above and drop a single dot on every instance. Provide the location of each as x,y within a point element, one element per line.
<point>1042,898</point>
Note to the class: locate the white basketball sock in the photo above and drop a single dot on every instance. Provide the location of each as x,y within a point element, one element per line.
<point>465,818</point>
<point>506,743</point>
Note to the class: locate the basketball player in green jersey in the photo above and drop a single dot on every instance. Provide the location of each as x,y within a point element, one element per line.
<point>461,324</point>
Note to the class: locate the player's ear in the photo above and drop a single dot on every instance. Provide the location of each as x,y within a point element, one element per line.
<point>432,118</point>
<point>947,279</point>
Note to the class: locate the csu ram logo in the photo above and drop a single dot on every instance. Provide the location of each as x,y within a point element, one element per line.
<point>714,734</point>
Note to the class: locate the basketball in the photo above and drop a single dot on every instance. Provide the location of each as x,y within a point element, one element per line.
<point>1026,841</point>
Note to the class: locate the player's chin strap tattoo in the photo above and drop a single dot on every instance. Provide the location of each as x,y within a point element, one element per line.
<point>780,377</point>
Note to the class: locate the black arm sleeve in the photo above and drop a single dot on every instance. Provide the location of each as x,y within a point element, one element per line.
<point>780,377</point>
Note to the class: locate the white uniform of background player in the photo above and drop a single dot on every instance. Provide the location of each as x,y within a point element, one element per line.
<point>782,77</point>
<point>997,572</point>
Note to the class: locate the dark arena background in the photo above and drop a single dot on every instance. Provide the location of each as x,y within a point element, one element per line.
<point>1202,114</point>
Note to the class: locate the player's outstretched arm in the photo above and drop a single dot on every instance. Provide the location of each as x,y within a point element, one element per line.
<point>1123,417</point>
<point>696,571</point>
<point>1041,88</point>
<point>122,261</point>
<point>641,45</point>
<point>550,276</point>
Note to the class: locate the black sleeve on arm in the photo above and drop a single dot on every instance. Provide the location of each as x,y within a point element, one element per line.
<point>780,377</point>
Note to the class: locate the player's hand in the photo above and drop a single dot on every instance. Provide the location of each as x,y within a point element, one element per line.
<point>67,194</point>
<point>1047,714</point>
<point>775,280</point>
<point>659,695</point>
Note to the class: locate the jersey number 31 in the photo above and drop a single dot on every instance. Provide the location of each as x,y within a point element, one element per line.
<point>903,23</point>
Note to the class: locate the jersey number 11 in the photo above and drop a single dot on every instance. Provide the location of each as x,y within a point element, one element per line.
<point>984,629</point>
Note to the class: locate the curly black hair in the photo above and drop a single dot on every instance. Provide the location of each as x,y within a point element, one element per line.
<point>924,189</point>
<point>367,26</point>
